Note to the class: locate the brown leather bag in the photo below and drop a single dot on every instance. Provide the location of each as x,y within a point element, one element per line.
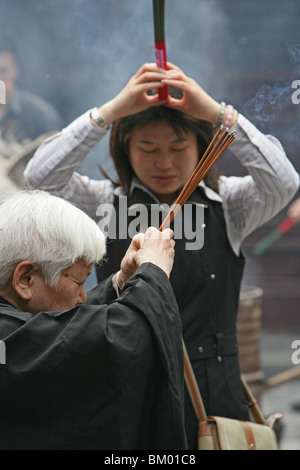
<point>218,433</point>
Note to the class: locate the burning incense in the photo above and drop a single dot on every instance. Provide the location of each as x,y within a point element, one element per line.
<point>218,145</point>
<point>160,42</point>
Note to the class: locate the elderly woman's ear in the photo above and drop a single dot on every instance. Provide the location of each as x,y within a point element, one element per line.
<point>23,278</point>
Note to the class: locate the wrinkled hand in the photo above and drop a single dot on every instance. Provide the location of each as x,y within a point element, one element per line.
<point>152,247</point>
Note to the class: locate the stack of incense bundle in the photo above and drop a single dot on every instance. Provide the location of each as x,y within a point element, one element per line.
<point>217,146</point>
<point>160,42</point>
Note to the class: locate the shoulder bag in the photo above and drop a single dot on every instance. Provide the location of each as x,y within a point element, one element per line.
<point>218,433</point>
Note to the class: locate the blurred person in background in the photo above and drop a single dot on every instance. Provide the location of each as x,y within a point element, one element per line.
<point>25,120</point>
<point>24,115</point>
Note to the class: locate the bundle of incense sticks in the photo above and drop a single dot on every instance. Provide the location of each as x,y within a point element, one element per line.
<point>217,146</point>
<point>160,42</point>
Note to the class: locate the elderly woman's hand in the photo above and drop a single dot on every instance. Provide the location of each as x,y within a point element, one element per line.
<point>152,247</point>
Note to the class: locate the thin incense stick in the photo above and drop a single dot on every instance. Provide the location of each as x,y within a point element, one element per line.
<point>194,174</point>
<point>211,155</point>
<point>192,182</point>
<point>160,42</point>
<point>202,165</point>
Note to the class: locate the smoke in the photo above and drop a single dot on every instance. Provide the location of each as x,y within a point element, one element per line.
<point>275,107</point>
<point>79,53</point>
<point>269,101</point>
<point>294,52</point>
<point>93,46</point>
<point>272,100</point>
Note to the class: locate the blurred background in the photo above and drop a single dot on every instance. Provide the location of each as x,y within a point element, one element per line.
<point>77,54</point>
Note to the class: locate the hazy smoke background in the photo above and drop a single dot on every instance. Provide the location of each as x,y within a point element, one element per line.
<point>79,53</point>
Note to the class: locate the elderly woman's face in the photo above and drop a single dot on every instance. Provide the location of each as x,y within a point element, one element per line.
<point>161,160</point>
<point>68,293</point>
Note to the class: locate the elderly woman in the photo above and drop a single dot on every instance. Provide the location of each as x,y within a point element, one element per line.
<point>155,146</point>
<point>85,372</point>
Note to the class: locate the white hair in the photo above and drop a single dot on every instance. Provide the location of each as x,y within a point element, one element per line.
<point>48,231</point>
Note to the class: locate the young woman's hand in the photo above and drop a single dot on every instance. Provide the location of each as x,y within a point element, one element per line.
<point>195,102</point>
<point>133,97</point>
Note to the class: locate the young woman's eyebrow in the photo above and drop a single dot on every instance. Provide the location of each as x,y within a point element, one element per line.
<point>176,141</point>
<point>147,142</point>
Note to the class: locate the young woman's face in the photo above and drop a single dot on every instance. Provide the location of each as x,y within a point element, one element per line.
<point>161,160</point>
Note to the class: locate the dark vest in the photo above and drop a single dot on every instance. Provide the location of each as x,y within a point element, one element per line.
<point>206,283</point>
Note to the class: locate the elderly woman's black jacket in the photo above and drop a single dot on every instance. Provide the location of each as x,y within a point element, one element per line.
<point>104,375</point>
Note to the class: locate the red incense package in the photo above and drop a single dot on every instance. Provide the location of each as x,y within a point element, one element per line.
<point>160,42</point>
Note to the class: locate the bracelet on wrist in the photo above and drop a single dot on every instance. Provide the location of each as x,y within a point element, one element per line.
<point>98,119</point>
<point>235,117</point>
<point>221,115</point>
<point>228,115</point>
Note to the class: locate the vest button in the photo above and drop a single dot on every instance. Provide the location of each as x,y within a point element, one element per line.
<point>200,349</point>
<point>213,276</point>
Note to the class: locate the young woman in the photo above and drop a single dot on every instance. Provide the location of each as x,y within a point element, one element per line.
<point>155,146</point>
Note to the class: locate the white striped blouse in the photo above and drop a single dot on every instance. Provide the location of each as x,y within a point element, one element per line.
<point>248,201</point>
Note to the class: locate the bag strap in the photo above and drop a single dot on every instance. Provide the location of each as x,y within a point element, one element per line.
<point>192,386</point>
<point>252,403</point>
<point>196,398</point>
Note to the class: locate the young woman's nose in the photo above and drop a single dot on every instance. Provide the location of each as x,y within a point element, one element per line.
<point>164,162</point>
